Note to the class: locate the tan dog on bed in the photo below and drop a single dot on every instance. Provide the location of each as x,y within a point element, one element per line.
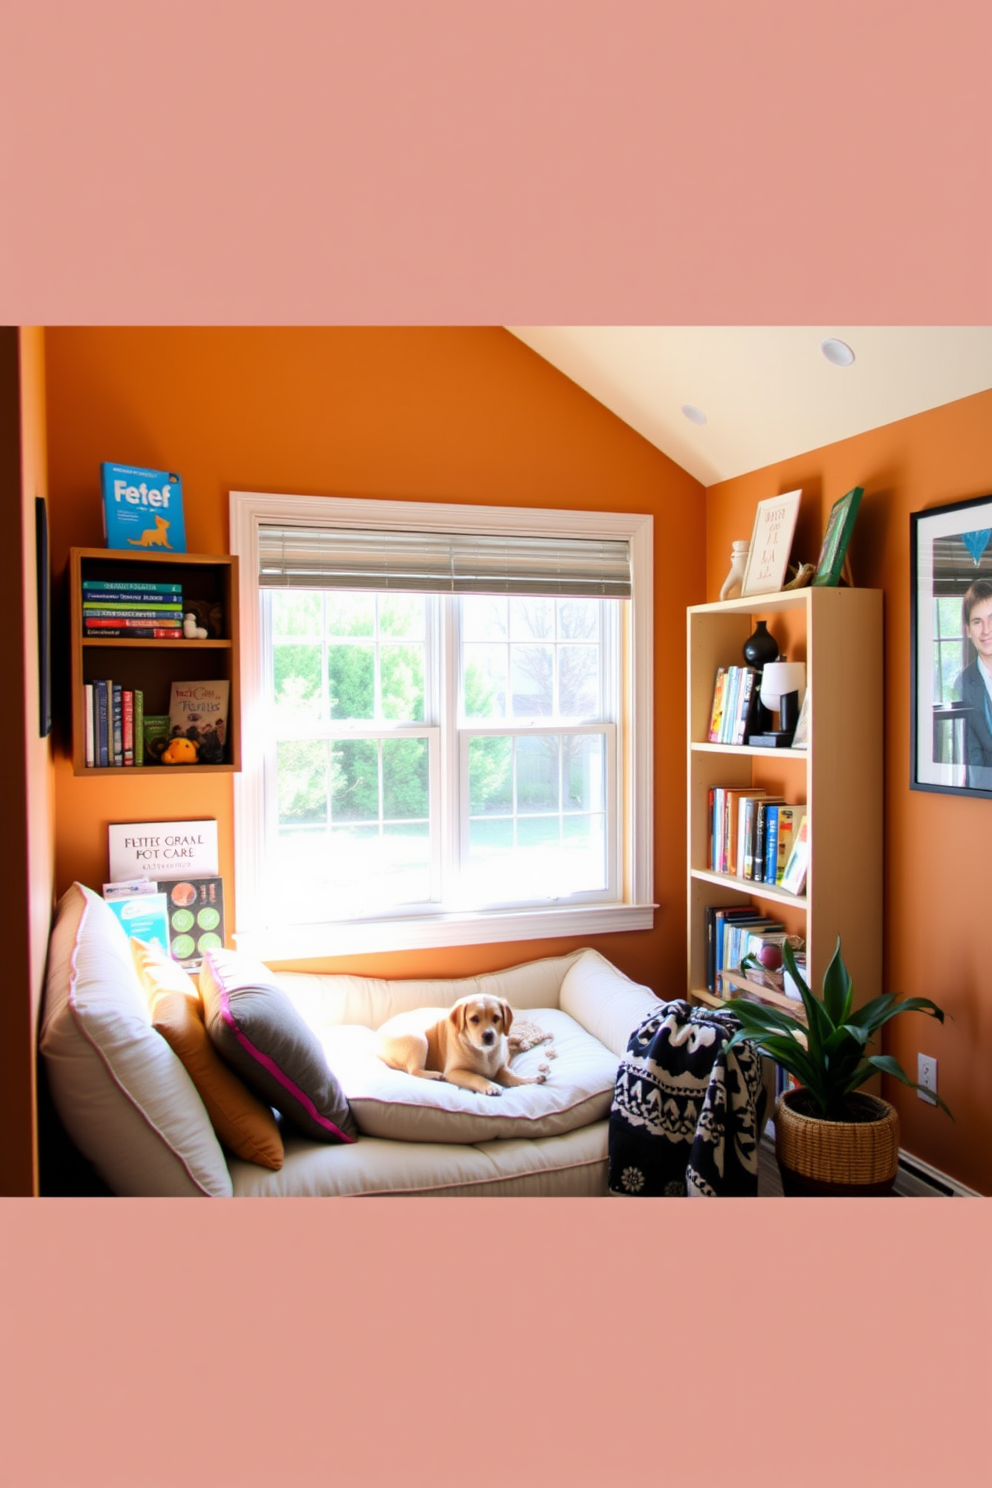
<point>466,1046</point>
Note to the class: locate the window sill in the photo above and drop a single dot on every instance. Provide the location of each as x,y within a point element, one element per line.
<point>365,937</point>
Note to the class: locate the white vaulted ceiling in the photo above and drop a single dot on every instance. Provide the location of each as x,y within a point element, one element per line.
<point>767,391</point>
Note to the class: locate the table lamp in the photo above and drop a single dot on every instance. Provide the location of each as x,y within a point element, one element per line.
<point>782,686</point>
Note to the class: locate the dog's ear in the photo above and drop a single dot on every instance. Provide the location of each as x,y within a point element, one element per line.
<point>457,1015</point>
<point>507,1015</point>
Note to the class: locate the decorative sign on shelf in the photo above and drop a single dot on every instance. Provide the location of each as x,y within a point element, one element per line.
<point>771,544</point>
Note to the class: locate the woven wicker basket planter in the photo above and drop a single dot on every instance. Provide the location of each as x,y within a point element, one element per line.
<point>818,1157</point>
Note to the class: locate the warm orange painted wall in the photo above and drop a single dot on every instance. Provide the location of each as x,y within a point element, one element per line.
<point>936,937</point>
<point>445,414</point>
<point>26,759</point>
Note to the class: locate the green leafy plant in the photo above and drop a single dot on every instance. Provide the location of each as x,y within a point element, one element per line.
<point>828,1054</point>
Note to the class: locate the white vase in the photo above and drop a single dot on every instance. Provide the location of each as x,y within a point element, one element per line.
<point>735,578</point>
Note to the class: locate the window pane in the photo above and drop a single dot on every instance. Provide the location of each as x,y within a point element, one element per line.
<point>350,614</point>
<point>404,778</point>
<point>490,775</point>
<point>483,618</point>
<point>402,672</point>
<point>355,789</point>
<point>301,782</point>
<point>296,678</point>
<point>532,619</point>
<point>402,615</point>
<point>583,772</point>
<point>351,679</point>
<point>578,682</point>
<point>484,682</point>
<point>584,863</point>
<point>295,612</point>
<point>537,774</point>
<point>578,619</point>
<point>532,681</point>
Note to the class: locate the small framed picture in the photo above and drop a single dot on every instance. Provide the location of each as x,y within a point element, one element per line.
<point>840,525</point>
<point>950,551</point>
<point>771,544</point>
<point>800,739</point>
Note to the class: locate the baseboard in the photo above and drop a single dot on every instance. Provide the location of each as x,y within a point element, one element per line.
<point>917,1179</point>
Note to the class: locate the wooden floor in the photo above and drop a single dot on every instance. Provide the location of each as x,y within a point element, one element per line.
<point>769,1177</point>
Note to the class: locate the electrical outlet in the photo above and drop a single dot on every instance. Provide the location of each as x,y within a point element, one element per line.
<point>926,1074</point>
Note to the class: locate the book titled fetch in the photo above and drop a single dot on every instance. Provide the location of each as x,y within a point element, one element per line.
<point>142,509</point>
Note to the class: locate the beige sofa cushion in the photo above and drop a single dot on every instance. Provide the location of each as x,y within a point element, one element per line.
<point>126,1100</point>
<point>390,1103</point>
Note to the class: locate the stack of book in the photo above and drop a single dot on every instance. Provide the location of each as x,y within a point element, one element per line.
<point>114,725</point>
<point>735,693</point>
<point>140,610</point>
<point>752,833</point>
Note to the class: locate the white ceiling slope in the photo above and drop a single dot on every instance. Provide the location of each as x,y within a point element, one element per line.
<point>768,392</point>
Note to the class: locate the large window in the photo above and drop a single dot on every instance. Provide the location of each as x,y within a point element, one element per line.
<point>442,742</point>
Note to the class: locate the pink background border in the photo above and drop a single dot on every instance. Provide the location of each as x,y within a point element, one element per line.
<point>527,161</point>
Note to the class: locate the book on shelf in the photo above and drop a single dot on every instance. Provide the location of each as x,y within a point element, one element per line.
<point>198,711</point>
<point>119,589</point>
<point>88,723</point>
<point>155,619</point>
<point>714,916</point>
<point>155,731</point>
<point>716,708</point>
<point>736,933</point>
<point>127,727</point>
<point>101,717</point>
<point>139,726</point>
<point>794,877</point>
<point>116,747</point>
<point>790,819</point>
<point>135,633</point>
<point>142,509</point>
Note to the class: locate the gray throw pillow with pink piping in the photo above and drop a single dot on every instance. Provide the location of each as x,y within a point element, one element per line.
<point>256,1030</point>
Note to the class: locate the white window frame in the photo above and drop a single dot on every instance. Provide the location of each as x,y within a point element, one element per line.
<point>632,910</point>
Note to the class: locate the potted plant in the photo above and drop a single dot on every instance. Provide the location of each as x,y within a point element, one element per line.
<point>831,1137</point>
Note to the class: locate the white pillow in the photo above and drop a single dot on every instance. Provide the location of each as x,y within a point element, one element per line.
<point>123,1096</point>
<point>390,1103</point>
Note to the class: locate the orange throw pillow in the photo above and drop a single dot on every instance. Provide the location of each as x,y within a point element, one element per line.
<point>242,1123</point>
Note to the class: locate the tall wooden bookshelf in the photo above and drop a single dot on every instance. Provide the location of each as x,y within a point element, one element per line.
<point>837,632</point>
<point>152,664</point>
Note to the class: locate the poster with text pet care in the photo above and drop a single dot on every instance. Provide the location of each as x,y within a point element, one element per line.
<point>142,509</point>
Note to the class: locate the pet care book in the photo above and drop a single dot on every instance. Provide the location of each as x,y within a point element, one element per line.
<point>142,509</point>
<point>198,711</point>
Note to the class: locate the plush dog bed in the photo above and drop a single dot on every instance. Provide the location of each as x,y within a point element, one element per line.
<point>266,1085</point>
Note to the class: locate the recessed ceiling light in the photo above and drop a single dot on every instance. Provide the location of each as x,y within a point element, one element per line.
<point>694,415</point>
<point>838,353</point>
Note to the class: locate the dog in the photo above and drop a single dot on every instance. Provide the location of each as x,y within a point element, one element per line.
<point>467,1046</point>
<point>153,537</point>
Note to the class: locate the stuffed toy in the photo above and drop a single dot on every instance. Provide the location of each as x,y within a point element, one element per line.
<point>191,630</point>
<point>180,752</point>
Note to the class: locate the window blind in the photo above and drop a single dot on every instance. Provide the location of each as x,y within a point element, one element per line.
<point>442,563</point>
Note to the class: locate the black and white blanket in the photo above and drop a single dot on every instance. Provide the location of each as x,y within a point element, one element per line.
<point>685,1114</point>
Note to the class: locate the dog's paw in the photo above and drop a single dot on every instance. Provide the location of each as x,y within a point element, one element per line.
<point>551,1053</point>
<point>493,1090</point>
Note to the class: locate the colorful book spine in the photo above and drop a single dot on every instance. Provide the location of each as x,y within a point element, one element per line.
<point>771,844</point>
<point>100,743</point>
<point>139,727</point>
<point>129,612</point>
<point>716,710</point>
<point>126,622</point>
<point>116,742</point>
<point>137,633</point>
<point>88,722</point>
<point>127,727</point>
<point>139,586</point>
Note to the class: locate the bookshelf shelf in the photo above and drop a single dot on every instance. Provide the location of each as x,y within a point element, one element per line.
<point>838,634</point>
<point>152,664</point>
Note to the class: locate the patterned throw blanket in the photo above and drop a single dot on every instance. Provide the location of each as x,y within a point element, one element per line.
<point>686,1116</point>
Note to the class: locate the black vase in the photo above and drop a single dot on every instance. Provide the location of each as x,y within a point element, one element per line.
<point>761,646</point>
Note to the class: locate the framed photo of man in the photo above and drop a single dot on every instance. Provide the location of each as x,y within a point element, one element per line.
<point>951,648</point>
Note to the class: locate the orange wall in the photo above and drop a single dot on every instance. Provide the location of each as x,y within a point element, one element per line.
<point>25,758</point>
<point>444,414</point>
<point>936,939</point>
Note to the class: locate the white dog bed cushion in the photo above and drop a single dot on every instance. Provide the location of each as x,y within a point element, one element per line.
<point>390,1103</point>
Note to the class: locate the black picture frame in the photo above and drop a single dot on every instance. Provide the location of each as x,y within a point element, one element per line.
<point>43,586</point>
<point>950,549</point>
